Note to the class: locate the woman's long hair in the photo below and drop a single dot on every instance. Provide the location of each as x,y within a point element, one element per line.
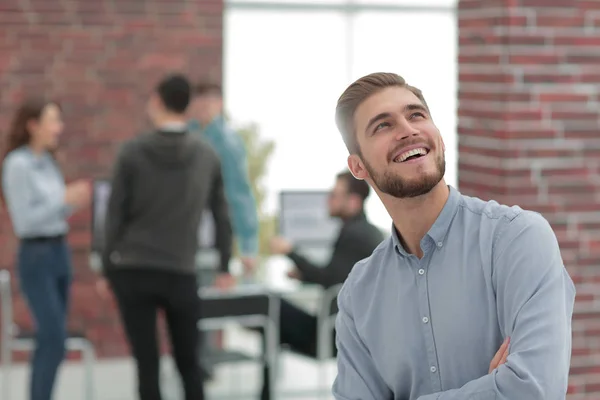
<point>18,134</point>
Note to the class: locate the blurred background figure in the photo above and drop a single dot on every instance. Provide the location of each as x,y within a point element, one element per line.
<point>356,240</point>
<point>209,122</point>
<point>162,183</point>
<point>39,204</point>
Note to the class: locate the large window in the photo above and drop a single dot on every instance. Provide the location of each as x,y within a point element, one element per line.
<point>422,48</point>
<point>285,70</point>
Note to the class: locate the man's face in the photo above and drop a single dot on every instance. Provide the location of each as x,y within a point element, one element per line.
<point>401,149</point>
<point>338,199</point>
<point>206,108</point>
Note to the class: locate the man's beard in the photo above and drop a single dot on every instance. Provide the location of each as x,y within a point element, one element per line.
<point>400,188</point>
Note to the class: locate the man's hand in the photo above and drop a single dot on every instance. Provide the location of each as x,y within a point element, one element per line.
<point>249,264</point>
<point>103,288</point>
<point>501,355</point>
<point>295,273</point>
<point>280,245</point>
<point>224,281</point>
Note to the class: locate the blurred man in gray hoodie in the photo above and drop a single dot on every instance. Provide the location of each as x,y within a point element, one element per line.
<point>162,183</point>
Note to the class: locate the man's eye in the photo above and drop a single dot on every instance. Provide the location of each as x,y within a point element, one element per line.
<point>381,126</point>
<point>417,115</point>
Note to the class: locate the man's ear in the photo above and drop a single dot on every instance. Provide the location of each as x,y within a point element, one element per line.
<point>32,125</point>
<point>357,167</point>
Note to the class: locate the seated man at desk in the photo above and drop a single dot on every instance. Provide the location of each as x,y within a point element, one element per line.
<point>356,240</point>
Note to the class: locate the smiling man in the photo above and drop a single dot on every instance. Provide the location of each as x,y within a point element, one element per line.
<point>468,299</point>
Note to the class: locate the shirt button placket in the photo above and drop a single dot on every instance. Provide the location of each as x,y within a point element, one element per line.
<point>422,285</point>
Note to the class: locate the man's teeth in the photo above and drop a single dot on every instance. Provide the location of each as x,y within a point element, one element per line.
<point>402,157</point>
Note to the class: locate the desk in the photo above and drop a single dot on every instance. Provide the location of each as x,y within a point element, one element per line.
<point>250,305</point>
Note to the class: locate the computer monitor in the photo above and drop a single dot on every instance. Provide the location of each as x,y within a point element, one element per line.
<point>304,220</point>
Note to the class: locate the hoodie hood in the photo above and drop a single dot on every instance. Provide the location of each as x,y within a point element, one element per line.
<point>170,149</point>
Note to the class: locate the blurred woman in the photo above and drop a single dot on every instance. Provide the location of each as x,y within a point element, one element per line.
<point>38,202</point>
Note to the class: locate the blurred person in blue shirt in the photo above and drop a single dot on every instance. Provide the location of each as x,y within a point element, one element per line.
<point>208,121</point>
<point>39,204</point>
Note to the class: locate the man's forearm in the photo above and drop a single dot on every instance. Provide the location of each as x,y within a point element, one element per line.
<point>310,272</point>
<point>248,244</point>
<point>504,384</point>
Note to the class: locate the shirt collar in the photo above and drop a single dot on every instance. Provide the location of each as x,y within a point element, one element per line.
<point>174,127</point>
<point>194,124</point>
<point>440,227</point>
<point>38,159</point>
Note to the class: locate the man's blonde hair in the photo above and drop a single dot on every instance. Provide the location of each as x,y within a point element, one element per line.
<point>356,94</point>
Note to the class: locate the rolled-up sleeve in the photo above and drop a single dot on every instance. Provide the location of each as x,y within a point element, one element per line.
<point>535,298</point>
<point>357,378</point>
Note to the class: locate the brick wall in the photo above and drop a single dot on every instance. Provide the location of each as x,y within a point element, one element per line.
<point>529,113</point>
<point>100,59</point>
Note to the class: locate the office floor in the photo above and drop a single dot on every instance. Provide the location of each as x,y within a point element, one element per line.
<point>115,379</point>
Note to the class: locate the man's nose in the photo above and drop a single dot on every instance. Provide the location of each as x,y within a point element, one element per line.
<point>406,130</point>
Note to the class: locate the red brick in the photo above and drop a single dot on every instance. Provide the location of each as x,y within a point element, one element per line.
<point>583,59</point>
<point>486,21</point>
<point>487,77</point>
<point>548,77</point>
<point>535,59</point>
<point>590,77</point>
<point>561,97</point>
<point>574,115</point>
<point>99,59</point>
<point>477,59</point>
<point>588,5</point>
<point>541,4</point>
<point>565,173</point>
<point>496,96</point>
<point>534,78</point>
<point>593,41</point>
<point>556,20</point>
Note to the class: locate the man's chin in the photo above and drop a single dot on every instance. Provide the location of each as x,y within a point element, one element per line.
<point>52,146</point>
<point>408,189</point>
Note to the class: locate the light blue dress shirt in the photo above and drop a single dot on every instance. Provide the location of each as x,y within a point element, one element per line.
<point>34,190</point>
<point>427,329</point>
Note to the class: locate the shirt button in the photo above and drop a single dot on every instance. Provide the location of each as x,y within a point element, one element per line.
<point>433,369</point>
<point>425,320</point>
<point>421,271</point>
<point>439,244</point>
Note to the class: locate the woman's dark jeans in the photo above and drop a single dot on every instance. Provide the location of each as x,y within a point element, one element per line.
<point>45,277</point>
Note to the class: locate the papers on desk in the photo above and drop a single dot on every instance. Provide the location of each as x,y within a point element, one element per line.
<point>100,195</point>
<point>252,289</point>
